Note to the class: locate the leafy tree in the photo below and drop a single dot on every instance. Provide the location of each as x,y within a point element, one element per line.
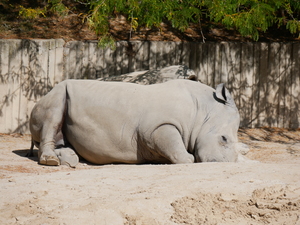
<point>146,13</point>
<point>30,13</point>
<point>249,17</point>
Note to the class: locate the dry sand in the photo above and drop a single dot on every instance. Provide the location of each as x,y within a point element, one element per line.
<point>205,193</point>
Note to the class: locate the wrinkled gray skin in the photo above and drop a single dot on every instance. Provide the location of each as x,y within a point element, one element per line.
<point>155,76</point>
<point>179,121</point>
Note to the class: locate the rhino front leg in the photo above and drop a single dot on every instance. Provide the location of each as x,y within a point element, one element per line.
<point>168,142</point>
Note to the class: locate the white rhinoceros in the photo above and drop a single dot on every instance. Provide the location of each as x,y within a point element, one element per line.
<point>179,121</point>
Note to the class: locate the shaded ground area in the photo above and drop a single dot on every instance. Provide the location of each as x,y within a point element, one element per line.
<point>205,193</point>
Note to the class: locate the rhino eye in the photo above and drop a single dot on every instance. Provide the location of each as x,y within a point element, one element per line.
<point>224,138</point>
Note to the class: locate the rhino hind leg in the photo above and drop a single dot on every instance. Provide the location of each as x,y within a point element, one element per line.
<point>67,156</point>
<point>46,122</point>
<point>168,143</point>
<point>49,141</point>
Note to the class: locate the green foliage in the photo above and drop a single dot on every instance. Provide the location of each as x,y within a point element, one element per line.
<point>29,13</point>
<point>146,13</point>
<point>56,6</point>
<point>249,17</point>
<point>107,41</point>
<point>181,13</point>
<point>293,26</point>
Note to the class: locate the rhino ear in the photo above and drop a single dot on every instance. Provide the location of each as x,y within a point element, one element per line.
<point>192,77</point>
<point>222,95</point>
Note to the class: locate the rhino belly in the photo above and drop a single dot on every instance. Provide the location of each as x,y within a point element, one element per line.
<point>101,145</point>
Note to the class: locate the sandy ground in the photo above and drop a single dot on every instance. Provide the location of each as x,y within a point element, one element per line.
<point>267,192</point>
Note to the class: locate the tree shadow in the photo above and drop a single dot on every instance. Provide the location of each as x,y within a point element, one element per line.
<point>262,77</point>
<point>271,134</point>
<point>26,79</point>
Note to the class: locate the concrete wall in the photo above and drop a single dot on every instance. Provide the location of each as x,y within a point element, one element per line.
<point>264,78</point>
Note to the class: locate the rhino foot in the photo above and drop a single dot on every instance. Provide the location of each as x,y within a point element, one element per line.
<point>67,156</point>
<point>49,160</point>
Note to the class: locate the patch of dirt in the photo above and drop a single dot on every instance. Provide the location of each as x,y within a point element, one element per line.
<point>272,205</point>
<point>278,144</point>
<point>277,135</point>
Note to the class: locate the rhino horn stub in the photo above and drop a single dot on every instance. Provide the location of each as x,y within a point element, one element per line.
<point>223,96</point>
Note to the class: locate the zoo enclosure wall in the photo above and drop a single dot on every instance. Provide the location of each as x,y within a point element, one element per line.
<point>264,78</point>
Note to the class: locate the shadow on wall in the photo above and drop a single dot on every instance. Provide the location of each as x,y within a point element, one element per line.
<point>263,77</point>
<point>25,76</point>
<point>84,60</point>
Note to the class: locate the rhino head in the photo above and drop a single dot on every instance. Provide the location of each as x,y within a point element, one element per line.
<point>217,141</point>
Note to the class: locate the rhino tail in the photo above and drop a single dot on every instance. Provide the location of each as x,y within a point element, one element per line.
<point>30,151</point>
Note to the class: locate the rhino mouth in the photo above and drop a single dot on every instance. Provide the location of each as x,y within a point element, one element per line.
<point>213,160</point>
<point>200,160</point>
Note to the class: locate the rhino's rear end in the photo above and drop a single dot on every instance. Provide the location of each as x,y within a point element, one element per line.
<point>46,121</point>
